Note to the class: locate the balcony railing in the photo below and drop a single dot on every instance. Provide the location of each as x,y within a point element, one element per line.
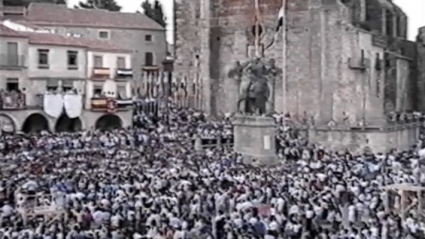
<point>12,101</point>
<point>110,104</point>
<point>122,73</point>
<point>101,73</point>
<point>12,61</point>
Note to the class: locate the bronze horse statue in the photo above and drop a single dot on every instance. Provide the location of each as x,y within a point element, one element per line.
<point>256,95</point>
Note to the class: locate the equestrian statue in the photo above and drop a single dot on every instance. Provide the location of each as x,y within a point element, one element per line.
<point>255,80</point>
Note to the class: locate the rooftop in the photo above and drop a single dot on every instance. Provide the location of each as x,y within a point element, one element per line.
<point>7,32</point>
<point>14,9</point>
<point>59,40</point>
<point>59,15</point>
<point>36,36</point>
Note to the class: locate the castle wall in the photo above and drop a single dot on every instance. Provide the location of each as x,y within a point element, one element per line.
<point>421,69</point>
<point>229,40</point>
<point>320,79</point>
<point>409,51</point>
<point>187,43</point>
<point>323,47</point>
<point>378,140</point>
<point>403,102</point>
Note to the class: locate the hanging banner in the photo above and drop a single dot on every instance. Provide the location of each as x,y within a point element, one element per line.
<point>73,105</point>
<point>53,105</point>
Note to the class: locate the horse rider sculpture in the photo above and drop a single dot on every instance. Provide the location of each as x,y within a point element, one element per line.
<point>255,93</point>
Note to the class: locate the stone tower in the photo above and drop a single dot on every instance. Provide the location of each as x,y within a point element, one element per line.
<point>421,68</point>
<point>346,63</point>
<point>211,35</point>
<point>334,50</point>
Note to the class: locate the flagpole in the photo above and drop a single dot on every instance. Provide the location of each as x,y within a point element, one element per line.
<point>284,41</point>
<point>257,29</point>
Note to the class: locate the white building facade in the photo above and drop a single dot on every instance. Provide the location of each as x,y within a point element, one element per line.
<point>60,73</point>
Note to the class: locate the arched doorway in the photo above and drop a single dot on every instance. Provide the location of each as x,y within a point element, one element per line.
<point>35,123</point>
<point>109,122</point>
<point>66,124</point>
<point>7,125</point>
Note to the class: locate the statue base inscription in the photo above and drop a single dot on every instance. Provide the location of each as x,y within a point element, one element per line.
<point>255,139</point>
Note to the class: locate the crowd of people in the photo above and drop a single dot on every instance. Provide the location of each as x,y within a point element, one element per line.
<point>149,182</point>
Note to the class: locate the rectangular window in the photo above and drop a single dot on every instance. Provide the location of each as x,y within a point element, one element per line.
<point>52,85</point>
<point>43,58</point>
<point>98,61</point>
<point>66,88</point>
<point>369,11</point>
<point>72,59</point>
<point>148,38</point>
<point>97,90</point>
<point>121,92</point>
<point>121,62</point>
<point>103,34</point>
<point>12,84</point>
<point>149,59</point>
<point>389,24</point>
<point>52,88</point>
<point>378,68</point>
<point>67,85</point>
<point>12,54</point>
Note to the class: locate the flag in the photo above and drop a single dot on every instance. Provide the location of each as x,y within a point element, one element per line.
<point>280,19</point>
<point>279,25</point>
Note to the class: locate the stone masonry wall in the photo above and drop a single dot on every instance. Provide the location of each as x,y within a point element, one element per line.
<point>421,69</point>
<point>187,43</point>
<point>230,36</point>
<point>321,45</point>
<point>321,41</point>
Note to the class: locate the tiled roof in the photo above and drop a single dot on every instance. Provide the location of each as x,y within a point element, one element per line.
<point>14,9</point>
<point>27,24</point>
<point>46,14</point>
<point>53,39</point>
<point>100,45</point>
<point>7,32</point>
<point>59,40</point>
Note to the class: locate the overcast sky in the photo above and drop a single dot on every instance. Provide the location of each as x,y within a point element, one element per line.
<point>414,9</point>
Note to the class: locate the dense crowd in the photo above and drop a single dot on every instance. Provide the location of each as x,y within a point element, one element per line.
<point>149,182</point>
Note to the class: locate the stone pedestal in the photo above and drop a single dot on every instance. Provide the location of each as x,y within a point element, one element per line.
<point>255,139</point>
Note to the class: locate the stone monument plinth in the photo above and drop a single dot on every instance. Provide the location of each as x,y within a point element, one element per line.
<point>255,139</point>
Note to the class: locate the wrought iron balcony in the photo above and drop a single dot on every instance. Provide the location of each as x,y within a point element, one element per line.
<point>12,101</point>
<point>101,73</point>
<point>12,61</point>
<point>109,104</point>
<point>122,73</point>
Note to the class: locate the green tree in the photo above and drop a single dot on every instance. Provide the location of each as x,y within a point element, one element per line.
<point>109,5</point>
<point>154,11</point>
<point>27,2</point>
